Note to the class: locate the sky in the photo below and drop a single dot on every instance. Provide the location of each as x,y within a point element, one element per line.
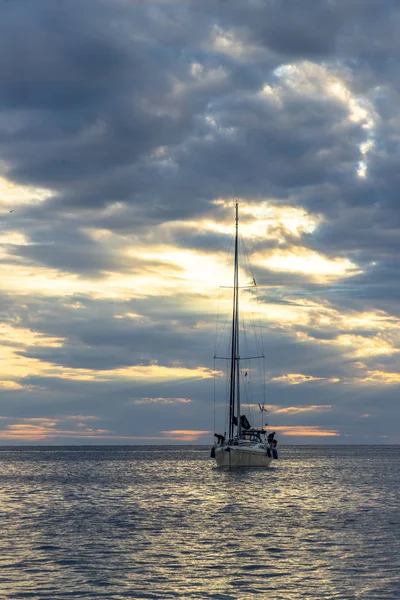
<point>127,131</point>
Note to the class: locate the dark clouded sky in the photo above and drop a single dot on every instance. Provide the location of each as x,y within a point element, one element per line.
<point>127,129</point>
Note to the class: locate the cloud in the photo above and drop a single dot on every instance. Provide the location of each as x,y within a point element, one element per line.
<point>299,409</point>
<point>306,431</point>
<point>298,378</point>
<point>182,435</point>
<point>162,401</point>
<point>34,429</point>
<point>42,428</point>
<point>125,136</point>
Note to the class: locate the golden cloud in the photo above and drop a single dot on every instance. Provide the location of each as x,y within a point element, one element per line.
<point>275,409</point>
<point>307,262</point>
<point>12,194</point>
<point>15,366</point>
<point>45,428</point>
<point>377,377</point>
<point>10,385</point>
<point>306,431</point>
<point>163,401</point>
<point>298,378</point>
<point>185,435</point>
<point>27,432</point>
<point>167,270</point>
<point>258,220</point>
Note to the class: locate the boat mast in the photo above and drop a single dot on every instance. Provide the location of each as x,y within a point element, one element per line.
<point>234,383</point>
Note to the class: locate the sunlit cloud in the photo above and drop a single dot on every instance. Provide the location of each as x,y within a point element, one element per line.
<point>22,336</point>
<point>262,220</point>
<point>27,432</point>
<point>310,263</point>
<point>162,401</point>
<point>80,418</point>
<point>307,78</point>
<point>199,273</point>
<point>357,346</point>
<point>13,238</point>
<point>293,410</point>
<point>364,346</point>
<point>377,377</point>
<point>43,428</point>
<point>37,429</point>
<point>144,197</point>
<point>227,41</point>
<point>130,315</point>
<point>202,270</point>
<point>15,366</point>
<point>311,79</point>
<point>13,194</point>
<point>299,378</point>
<point>10,385</point>
<point>44,421</point>
<point>185,435</point>
<point>167,269</point>
<point>322,323</point>
<point>306,431</point>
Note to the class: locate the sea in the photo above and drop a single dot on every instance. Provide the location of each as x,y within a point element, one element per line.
<point>117,522</point>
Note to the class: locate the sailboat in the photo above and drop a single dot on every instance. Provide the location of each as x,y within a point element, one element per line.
<point>242,445</point>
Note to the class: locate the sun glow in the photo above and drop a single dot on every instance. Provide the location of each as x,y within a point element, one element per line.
<point>203,271</point>
<point>309,263</point>
<point>13,194</point>
<point>265,220</point>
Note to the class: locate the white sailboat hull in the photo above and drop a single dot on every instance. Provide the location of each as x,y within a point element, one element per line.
<point>233,457</point>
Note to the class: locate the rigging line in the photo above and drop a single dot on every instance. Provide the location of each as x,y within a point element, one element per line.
<point>214,393</point>
<point>260,339</point>
<point>217,324</point>
<point>258,342</point>
<point>247,377</point>
<point>262,359</point>
<point>246,345</point>
<point>249,387</point>
<point>248,260</point>
<point>234,390</point>
<point>220,333</point>
<point>264,382</point>
<point>227,381</point>
<point>217,332</point>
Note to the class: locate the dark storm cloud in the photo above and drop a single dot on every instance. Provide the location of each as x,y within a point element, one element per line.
<point>93,94</point>
<point>91,98</point>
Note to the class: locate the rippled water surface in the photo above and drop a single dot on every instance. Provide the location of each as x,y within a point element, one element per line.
<point>161,522</point>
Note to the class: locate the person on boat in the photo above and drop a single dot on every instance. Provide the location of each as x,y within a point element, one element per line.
<point>220,438</point>
<point>271,438</point>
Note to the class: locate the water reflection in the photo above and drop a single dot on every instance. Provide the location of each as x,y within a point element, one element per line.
<point>145,523</point>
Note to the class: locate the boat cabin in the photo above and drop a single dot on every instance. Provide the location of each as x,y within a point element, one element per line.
<point>252,434</point>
